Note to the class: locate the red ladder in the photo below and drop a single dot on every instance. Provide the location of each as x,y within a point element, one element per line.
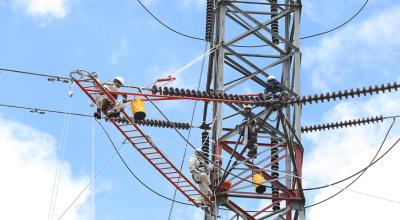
<point>143,143</point>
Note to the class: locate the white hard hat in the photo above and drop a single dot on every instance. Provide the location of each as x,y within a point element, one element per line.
<point>246,106</point>
<point>120,79</point>
<point>270,77</point>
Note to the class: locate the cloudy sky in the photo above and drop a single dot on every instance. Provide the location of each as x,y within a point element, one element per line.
<point>119,38</point>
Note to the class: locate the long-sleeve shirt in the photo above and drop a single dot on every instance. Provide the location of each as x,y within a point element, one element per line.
<point>277,88</point>
<point>198,165</point>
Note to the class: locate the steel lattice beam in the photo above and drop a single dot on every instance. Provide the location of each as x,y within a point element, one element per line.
<point>238,22</point>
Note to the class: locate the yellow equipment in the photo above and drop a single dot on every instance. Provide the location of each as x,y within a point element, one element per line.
<point>138,111</point>
<point>258,180</point>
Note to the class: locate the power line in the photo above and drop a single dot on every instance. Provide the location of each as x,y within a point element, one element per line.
<point>321,187</point>
<point>167,26</point>
<point>352,182</point>
<point>339,26</point>
<point>360,171</point>
<point>131,171</point>
<point>43,111</point>
<point>305,189</point>
<point>137,178</point>
<point>50,77</point>
<point>202,39</point>
<point>327,185</point>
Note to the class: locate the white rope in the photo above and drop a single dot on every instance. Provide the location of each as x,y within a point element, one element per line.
<point>92,188</point>
<point>60,158</point>
<point>191,63</point>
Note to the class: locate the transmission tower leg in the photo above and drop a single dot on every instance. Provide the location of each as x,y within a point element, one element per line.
<point>217,107</point>
<point>296,86</point>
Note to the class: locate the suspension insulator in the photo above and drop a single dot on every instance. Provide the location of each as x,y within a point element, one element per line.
<point>274,24</point>
<point>275,173</point>
<point>209,19</point>
<point>205,145</point>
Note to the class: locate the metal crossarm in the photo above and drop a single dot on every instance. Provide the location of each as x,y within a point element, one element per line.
<point>145,146</point>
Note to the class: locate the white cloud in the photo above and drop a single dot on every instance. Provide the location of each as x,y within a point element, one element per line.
<point>28,168</point>
<point>366,49</point>
<point>44,9</point>
<point>337,154</point>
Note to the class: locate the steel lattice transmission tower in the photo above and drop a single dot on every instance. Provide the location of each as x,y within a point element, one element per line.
<point>255,38</point>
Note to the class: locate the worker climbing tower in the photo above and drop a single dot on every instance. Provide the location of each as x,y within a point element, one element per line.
<point>250,40</point>
<point>255,39</point>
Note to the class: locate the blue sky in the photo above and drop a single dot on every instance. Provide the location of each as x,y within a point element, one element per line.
<point>119,38</point>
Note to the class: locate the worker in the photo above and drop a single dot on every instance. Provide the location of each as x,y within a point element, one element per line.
<point>104,104</point>
<point>249,131</point>
<point>200,171</point>
<point>274,89</point>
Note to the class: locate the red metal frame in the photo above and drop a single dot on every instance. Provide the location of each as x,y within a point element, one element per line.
<point>168,97</point>
<point>142,143</point>
<point>287,194</point>
<point>168,170</point>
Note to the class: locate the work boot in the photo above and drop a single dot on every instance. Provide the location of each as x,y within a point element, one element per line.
<point>252,154</point>
<point>97,114</point>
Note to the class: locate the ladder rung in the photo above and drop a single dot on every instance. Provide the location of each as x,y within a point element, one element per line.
<point>145,148</point>
<point>131,131</point>
<point>141,142</point>
<point>157,158</point>
<point>197,194</point>
<point>165,168</point>
<point>155,152</point>
<point>176,177</point>
<point>170,173</point>
<point>188,189</point>
<point>161,163</point>
<point>181,182</point>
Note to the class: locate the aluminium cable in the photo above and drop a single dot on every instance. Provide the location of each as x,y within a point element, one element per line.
<point>255,211</point>
<point>307,179</point>
<point>344,179</point>
<point>83,115</point>
<point>352,182</point>
<point>167,26</point>
<point>136,177</point>
<point>304,189</point>
<point>35,74</point>
<point>290,174</point>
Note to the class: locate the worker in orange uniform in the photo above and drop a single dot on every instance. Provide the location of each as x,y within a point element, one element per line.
<point>249,131</point>
<point>104,104</point>
<point>200,171</point>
